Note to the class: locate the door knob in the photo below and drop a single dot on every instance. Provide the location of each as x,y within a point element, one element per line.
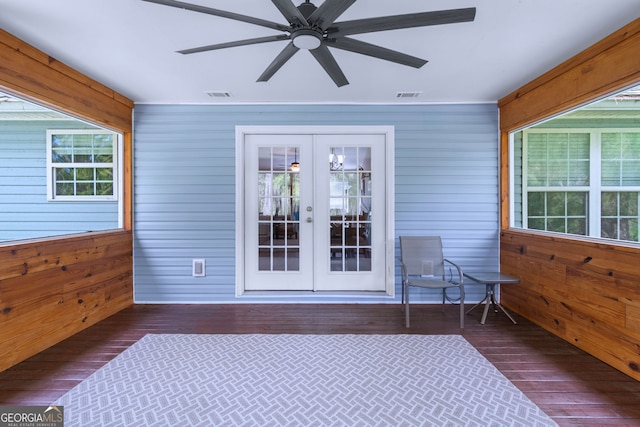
<point>309,208</point>
<point>309,219</point>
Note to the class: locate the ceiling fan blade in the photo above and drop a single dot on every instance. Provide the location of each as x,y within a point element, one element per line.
<point>329,11</point>
<point>277,63</point>
<point>246,42</point>
<point>290,12</point>
<point>222,13</point>
<point>328,62</point>
<point>396,22</point>
<point>368,49</point>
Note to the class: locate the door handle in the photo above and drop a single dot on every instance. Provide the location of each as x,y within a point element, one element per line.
<point>309,219</point>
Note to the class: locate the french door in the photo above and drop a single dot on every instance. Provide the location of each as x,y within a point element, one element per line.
<point>315,212</point>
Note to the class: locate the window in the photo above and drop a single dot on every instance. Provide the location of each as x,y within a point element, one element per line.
<point>45,156</point>
<point>81,165</point>
<point>580,181</point>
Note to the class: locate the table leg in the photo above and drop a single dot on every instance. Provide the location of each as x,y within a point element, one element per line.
<point>505,312</point>
<point>496,304</point>
<point>486,310</point>
<point>480,303</point>
<point>489,300</point>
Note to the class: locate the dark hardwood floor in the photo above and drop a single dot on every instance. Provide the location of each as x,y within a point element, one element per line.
<point>575,389</point>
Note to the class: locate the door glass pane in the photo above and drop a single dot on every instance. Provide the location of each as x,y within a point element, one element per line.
<point>278,216</point>
<point>350,208</point>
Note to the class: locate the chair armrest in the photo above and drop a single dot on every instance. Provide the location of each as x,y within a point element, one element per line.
<point>404,271</point>
<point>460,275</point>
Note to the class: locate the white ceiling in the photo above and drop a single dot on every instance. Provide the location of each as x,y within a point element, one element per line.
<point>129,45</point>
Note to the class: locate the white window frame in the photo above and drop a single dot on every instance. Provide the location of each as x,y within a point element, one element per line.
<point>115,165</point>
<point>595,187</point>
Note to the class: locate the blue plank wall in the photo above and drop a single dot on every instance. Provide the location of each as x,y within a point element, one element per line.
<point>446,183</point>
<point>24,210</point>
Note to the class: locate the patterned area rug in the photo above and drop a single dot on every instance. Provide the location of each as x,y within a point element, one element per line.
<point>299,380</point>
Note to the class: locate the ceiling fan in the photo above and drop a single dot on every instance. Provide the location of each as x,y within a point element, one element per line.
<point>314,29</point>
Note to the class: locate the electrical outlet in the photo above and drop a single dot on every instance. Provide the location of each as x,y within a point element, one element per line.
<point>198,268</point>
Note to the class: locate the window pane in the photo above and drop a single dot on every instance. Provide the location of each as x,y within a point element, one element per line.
<point>610,172</point>
<point>106,157</point>
<point>629,204</point>
<point>83,157</point>
<point>293,259</point>
<point>577,226</point>
<point>61,148</point>
<point>628,229</point>
<point>64,189</point>
<point>536,223</point>
<point>41,158</point>
<point>64,174</point>
<point>611,146</point>
<point>609,228</point>
<point>280,153</point>
<point>579,146</point>
<point>61,156</point>
<point>558,173</point>
<point>634,230</point>
<point>630,145</point>
<point>609,204</point>
<point>536,204</point>
<point>537,159</point>
<point>103,142</point>
<point>577,204</point>
<point>85,174</point>
<point>556,224</point>
<point>552,167</point>
<point>558,146</point>
<point>558,159</point>
<point>61,141</point>
<point>537,174</point>
<point>579,173</point>
<point>631,172</point>
<point>621,159</point>
<point>556,204</point>
<point>104,189</point>
<point>84,189</point>
<point>104,174</point>
<point>83,148</point>
<point>579,159</point>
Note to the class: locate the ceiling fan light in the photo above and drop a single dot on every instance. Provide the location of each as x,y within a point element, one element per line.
<point>308,39</point>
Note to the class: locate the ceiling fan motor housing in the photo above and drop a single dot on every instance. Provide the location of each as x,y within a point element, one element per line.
<point>307,8</point>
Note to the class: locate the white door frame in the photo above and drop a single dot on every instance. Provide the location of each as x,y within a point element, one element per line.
<point>388,131</point>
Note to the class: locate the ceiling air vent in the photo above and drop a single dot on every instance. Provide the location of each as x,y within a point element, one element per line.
<point>219,94</point>
<point>408,94</point>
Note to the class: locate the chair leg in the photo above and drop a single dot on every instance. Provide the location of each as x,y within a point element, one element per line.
<point>406,306</point>
<point>462,313</point>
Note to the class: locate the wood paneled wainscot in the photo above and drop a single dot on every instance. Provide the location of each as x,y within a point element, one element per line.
<point>52,289</point>
<point>587,293</point>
